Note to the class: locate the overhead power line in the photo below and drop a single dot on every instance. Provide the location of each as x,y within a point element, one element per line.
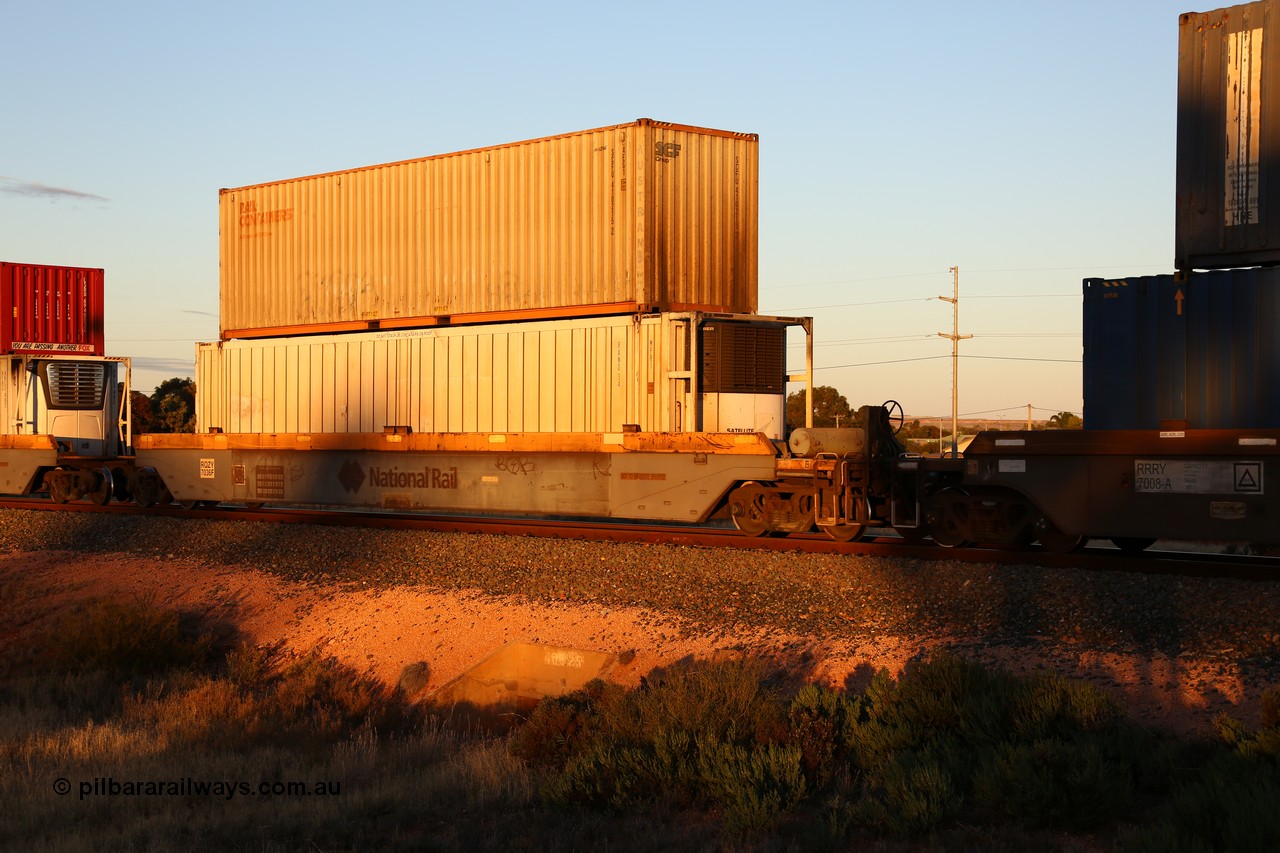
<point>935,357</point>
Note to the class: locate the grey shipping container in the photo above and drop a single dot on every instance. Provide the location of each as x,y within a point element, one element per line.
<point>1199,353</point>
<point>1228,207</point>
<point>581,375</point>
<point>638,217</point>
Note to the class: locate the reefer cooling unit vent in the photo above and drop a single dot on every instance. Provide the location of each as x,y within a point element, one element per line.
<point>76,384</point>
<point>743,358</point>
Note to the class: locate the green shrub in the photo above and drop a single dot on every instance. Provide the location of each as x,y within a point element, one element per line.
<point>614,775</point>
<point>316,697</point>
<point>125,639</point>
<point>950,743</point>
<point>252,666</point>
<point>698,733</point>
<point>1232,804</point>
<point>951,736</point>
<point>311,701</point>
<point>822,723</point>
<point>562,727</point>
<point>1071,784</point>
<point>1046,705</point>
<point>1227,802</point>
<point>754,786</point>
<point>916,791</point>
<point>944,696</point>
<point>1266,741</point>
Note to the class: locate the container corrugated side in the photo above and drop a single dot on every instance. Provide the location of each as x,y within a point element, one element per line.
<point>642,216</point>
<point>1199,353</point>
<point>586,375</point>
<point>1228,137</point>
<point>51,309</point>
<point>558,376</point>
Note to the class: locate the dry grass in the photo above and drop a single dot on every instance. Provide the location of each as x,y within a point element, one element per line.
<point>168,734</point>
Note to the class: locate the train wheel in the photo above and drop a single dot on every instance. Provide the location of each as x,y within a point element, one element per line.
<point>844,532</point>
<point>850,531</point>
<point>103,487</point>
<point>1056,541</point>
<point>801,515</point>
<point>912,534</point>
<point>57,486</point>
<point>1132,544</point>
<point>946,518</point>
<point>188,505</point>
<point>746,506</point>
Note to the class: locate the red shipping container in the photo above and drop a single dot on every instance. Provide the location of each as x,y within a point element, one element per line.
<point>48,310</point>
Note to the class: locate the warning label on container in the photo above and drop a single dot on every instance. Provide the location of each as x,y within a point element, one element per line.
<point>1197,478</point>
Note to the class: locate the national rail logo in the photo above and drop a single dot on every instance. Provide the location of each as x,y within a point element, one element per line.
<point>352,476</point>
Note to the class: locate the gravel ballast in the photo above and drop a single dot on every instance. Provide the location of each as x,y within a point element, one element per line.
<point>1027,616</point>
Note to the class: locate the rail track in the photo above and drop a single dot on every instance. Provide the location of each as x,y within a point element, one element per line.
<point>1164,558</point>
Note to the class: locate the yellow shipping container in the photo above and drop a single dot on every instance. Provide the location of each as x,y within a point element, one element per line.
<point>645,216</point>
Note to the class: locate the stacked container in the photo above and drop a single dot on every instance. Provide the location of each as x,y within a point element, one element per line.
<point>50,310</point>
<point>638,217</point>
<point>1228,211</point>
<point>1200,352</point>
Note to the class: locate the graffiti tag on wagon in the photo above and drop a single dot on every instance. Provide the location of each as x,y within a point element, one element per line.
<point>514,464</point>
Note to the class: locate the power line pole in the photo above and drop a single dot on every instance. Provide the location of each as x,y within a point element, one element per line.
<point>955,337</point>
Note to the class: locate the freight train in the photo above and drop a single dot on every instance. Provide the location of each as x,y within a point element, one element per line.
<point>1058,488</point>
<point>568,327</point>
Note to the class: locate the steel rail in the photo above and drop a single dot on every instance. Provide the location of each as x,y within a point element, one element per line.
<point>884,543</point>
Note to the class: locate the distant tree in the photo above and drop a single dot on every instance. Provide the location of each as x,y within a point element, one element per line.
<point>829,407</point>
<point>143,419</point>
<point>1066,420</point>
<point>916,429</point>
<point>173,406</point>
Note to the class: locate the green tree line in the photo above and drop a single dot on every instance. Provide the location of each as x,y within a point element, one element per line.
<point>172,408</point>
<point>831,409</point>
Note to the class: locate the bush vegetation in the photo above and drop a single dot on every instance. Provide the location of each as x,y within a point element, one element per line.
<point>719,753</point>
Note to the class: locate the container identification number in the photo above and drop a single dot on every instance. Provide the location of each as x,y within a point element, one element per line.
<point>1197,477</point>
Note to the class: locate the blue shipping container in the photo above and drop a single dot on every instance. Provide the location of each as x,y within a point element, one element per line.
<point>1200,353</point>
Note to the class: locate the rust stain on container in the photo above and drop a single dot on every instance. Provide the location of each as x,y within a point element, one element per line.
<point>638,217</point>
<point>1228,214</point>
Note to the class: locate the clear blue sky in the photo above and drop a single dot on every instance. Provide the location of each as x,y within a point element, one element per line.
<point>1031,144</point>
